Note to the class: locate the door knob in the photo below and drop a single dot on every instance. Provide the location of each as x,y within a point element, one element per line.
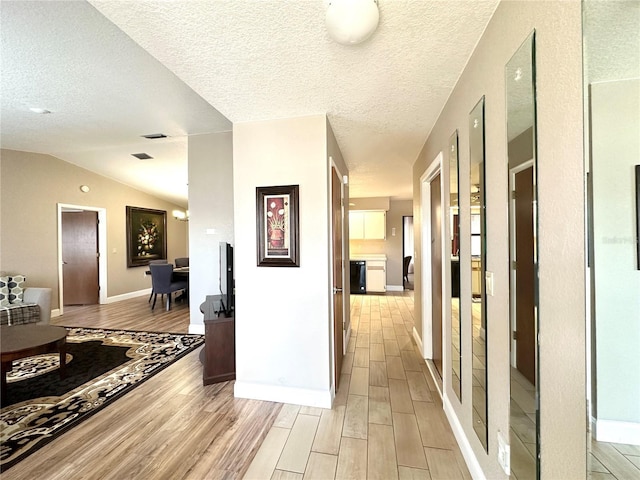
<point>337,290</point>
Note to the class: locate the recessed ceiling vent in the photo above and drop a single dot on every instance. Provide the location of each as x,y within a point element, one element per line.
<point>153,136</point>
<point>142,156</point>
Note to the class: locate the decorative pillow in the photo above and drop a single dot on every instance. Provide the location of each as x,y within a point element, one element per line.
<point>16,289</point>
<point>4,291</point>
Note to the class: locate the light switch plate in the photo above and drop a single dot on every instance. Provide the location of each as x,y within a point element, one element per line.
<point>488,276</point>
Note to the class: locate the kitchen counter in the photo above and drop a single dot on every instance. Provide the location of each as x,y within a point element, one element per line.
<point>369,256</point>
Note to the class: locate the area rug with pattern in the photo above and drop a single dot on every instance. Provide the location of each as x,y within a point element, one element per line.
<point>101,366</point>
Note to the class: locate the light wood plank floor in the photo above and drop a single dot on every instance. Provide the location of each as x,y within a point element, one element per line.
<point>170,427</point>
<point>605,461</point>
<point>387,421</point>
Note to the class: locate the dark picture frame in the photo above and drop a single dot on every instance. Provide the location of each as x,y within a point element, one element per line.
<point>638,216</point>
<point>146,235</point>
<point>277,225</point>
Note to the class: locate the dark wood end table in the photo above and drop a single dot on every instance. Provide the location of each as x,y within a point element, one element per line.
<point>20,341</point>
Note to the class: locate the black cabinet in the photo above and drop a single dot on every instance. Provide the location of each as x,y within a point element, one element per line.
<point>358,276</point>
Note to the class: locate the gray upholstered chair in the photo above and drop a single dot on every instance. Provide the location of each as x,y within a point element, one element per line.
<point>163,283</point>
<point>182,262</point>
<point>405,267</point>
<point>155,262</point>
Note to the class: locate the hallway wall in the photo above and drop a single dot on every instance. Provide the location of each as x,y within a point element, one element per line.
<point>561,227</point>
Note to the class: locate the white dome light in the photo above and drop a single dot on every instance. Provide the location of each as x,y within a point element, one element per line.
<point>350,22</point>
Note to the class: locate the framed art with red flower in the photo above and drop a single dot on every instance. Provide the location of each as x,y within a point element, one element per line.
<point>146,235</point>
<point>278,236</point>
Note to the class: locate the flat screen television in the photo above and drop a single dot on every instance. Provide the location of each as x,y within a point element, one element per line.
<point>226,280</point>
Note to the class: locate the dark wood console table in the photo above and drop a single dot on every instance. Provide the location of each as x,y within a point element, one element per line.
<point>219,344</point>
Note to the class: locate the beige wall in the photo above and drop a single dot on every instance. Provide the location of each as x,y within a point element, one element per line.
<point>33,185</point>
<point>392,245</point>
<point>283,340</point>
<point>561,228</point>
<point>211,211</point>
<point>615,149</point>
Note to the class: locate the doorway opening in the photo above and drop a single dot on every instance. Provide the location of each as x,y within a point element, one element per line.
<point>82,234</point>
<point>408,254</point>
<point>340,317</point>
<point>431,267</point>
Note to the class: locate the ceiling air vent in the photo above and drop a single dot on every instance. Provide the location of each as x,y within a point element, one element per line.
<point>142,156</point>
<point>153,136</point>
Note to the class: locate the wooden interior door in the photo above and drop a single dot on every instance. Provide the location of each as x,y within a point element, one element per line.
<point>525,327</point>
<point>338,299</point>
<point>436,273</point>
<point>80,258</point>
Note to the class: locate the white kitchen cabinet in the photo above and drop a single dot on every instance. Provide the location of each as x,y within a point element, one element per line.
<point>376,276</point>
<point>367,225</point>
<point>476,278</point>
<point>356,225</point>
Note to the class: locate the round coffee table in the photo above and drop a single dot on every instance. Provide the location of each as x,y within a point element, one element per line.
<point>20,341</point>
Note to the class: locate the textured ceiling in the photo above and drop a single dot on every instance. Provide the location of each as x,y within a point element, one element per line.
<point>252,61</point>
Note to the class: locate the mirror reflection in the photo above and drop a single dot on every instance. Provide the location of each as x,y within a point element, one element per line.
<point>454,231</point>
<point>478,263</point>
<point>521,135</point>
<point>612,129</point>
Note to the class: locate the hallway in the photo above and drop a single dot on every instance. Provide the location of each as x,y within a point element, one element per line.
<point>387,421</point>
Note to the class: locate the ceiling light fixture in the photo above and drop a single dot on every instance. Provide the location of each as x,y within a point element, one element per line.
<point>43,111</point>
<point>153,136</point>
<point>180,215</point>
<point>350,22</point>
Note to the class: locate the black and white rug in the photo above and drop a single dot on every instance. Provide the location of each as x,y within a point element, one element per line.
<point>102,365</point>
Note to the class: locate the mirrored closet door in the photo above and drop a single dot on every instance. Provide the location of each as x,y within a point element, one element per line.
<point>454,231</point>
<point>478,267</point>
<point>521,136</point>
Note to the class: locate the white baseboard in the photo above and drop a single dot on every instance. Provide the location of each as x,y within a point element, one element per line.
<point>127,296</point>
<point>616,432</point>
<point>347,335</point>
<point>55,312</point>
<point>395,288</point>
<point>418,340</point>
<point>465,447</point>
<point>275,393</point>
<point>196,328</point>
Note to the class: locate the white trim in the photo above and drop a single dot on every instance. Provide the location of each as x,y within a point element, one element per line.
<point>55,312</point>
<point>275,393</point>
<point>127,296</point>
<point>196,329</point>
<point>463,442</point>
<point>417,338</point>
<point>432,171</point>
<point>435,376</point>
<point>395,288</point>
<point>102,251</point>
<point>616,432</point>
<point>347,337</point>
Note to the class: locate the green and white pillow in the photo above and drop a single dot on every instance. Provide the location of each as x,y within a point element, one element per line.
<point>16,288</point>
<point>11,289</point>
<point>4,291</point>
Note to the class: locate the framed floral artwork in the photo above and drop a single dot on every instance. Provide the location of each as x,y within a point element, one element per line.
<point>146,235</point>
<point>278,235</point>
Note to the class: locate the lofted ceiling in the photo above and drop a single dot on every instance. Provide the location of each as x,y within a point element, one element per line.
<point>182,68</point>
